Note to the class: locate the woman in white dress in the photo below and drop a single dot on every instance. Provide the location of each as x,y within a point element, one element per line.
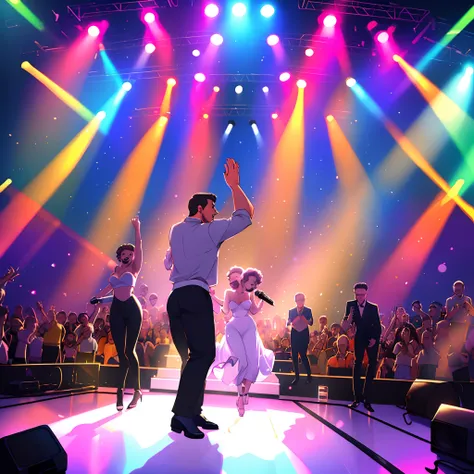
<point>241,358</point>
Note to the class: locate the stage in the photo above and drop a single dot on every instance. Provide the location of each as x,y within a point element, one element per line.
<point>274,436</point>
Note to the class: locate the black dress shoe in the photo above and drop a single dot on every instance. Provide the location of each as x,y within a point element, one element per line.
<point>354,404</point>
<point>202,422</point>
<point>368,407</point>
<point>295,381</point>
<point>309,379</point>
<point>182,423</point>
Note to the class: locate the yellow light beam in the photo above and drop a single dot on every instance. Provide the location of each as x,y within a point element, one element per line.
<point>5,184</point>
<point>59,92</point>
<point>21,210</point>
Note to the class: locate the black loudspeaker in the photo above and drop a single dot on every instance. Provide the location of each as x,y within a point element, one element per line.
<point>32,451</point>
<point>425,397</point>
<point>452,433</point>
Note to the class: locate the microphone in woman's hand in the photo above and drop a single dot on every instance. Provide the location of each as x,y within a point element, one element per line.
<point>264,297</point>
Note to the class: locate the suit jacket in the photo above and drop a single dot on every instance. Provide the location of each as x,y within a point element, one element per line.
<point>368,326</point>
<point>293,313</point>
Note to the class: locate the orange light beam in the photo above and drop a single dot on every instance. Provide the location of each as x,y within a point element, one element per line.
<point>22,209</point>
<point>404,266</point>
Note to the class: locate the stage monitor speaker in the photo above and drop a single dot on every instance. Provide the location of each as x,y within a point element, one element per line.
<point>32,451</point>
<point>425,397</point>
<point>452,433</point>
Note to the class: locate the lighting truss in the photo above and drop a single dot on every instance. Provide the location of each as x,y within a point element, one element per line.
<point>235,110</point>
<point>373,10</point>
<point>88,10</point>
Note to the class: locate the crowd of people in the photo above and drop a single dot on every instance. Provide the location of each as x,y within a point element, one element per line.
<point>35,335</point>
<point>433,344</point>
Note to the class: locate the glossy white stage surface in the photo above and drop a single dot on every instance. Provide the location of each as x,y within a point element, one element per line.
<point>274,437</point>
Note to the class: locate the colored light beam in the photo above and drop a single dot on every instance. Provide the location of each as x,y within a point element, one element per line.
<point>109,67</point>
<point>338,248</point>
<point>26,13</point>
<point>123,201</point>
<point>448,37</point>
<point>21,210</point>
<point>280,196</point>
<point>411,151</point>
<point>456,121</point>
<point>5,185</point>
<point>59,92</point>
<point>191,173</point>
<point>111,108</point>
<point>400,273</point>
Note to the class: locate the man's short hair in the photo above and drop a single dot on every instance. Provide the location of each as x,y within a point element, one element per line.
<point>416,302</point>
<point>437,304</point>
<point>200,199</point>
<point>300,294</point>
<point>153,296</point>
<point>459,282</point>
<point>323,316</point>
<point>361,286</point>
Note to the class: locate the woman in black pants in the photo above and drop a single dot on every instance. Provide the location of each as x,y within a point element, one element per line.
<point>126,313</point>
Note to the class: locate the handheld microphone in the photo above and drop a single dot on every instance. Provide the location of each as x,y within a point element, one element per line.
<point>264,297</point>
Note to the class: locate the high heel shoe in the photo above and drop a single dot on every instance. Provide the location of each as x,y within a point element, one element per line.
<point>240,405</point>
<point>120,399</point>
<point>137,396</point>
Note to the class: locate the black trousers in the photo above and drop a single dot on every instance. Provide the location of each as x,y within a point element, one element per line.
<point>192,329</point>
<point>299,346</point>
<point>50,354</point>
<point>360,346</point>
<point>125,324</point>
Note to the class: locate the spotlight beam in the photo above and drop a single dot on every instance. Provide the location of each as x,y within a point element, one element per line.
<point>59,92</point>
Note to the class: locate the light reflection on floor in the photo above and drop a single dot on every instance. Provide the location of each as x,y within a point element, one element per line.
<point>275,436</point>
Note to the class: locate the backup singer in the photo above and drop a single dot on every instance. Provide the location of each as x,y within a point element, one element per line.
<point>192,259</point>
<point>364,316</point>
<point>300,318</point>
<point>126,313</point>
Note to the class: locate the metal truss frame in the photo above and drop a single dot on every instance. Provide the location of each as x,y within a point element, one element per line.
<point>352,7</point>
<point>89,10</point>
<point>233,110</point>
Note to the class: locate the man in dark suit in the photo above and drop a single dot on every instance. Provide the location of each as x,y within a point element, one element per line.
<point>300,318</point>
<point>364,317</point>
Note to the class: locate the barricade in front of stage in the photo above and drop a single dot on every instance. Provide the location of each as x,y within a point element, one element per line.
<point>33,379</point>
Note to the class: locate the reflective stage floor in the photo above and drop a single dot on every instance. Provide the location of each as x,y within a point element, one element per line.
<point>274,436</point>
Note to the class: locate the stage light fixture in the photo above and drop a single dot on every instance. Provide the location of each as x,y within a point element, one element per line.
<point>273,40</point>
<point>230,126</point>
<point>330,21</point>
<point>309,52</point>
<point>252,122</point>
<point>396,58</point>
<point>350,82</point>
<point>239,89</point>
<point>284,76</point>
<point>239,9</point>
<point>274,116</point>
<point>171,81</point>
<point>205,116</point>
<point>211,10</point>
<point>149,17</point>
<point>200,77</point>
<point>216,89</point>
<point>217,39</point>
<point>301,84</point>
<point>469,71</point>
<point>267,11</point>
<point>196,53</point>
<point>382,37</point>
<point>150,48</point>
<point>265,89</point>
<point>330,118</point>
<point>102,114</point>
<point>93,31</point>
<point>127,86</point>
